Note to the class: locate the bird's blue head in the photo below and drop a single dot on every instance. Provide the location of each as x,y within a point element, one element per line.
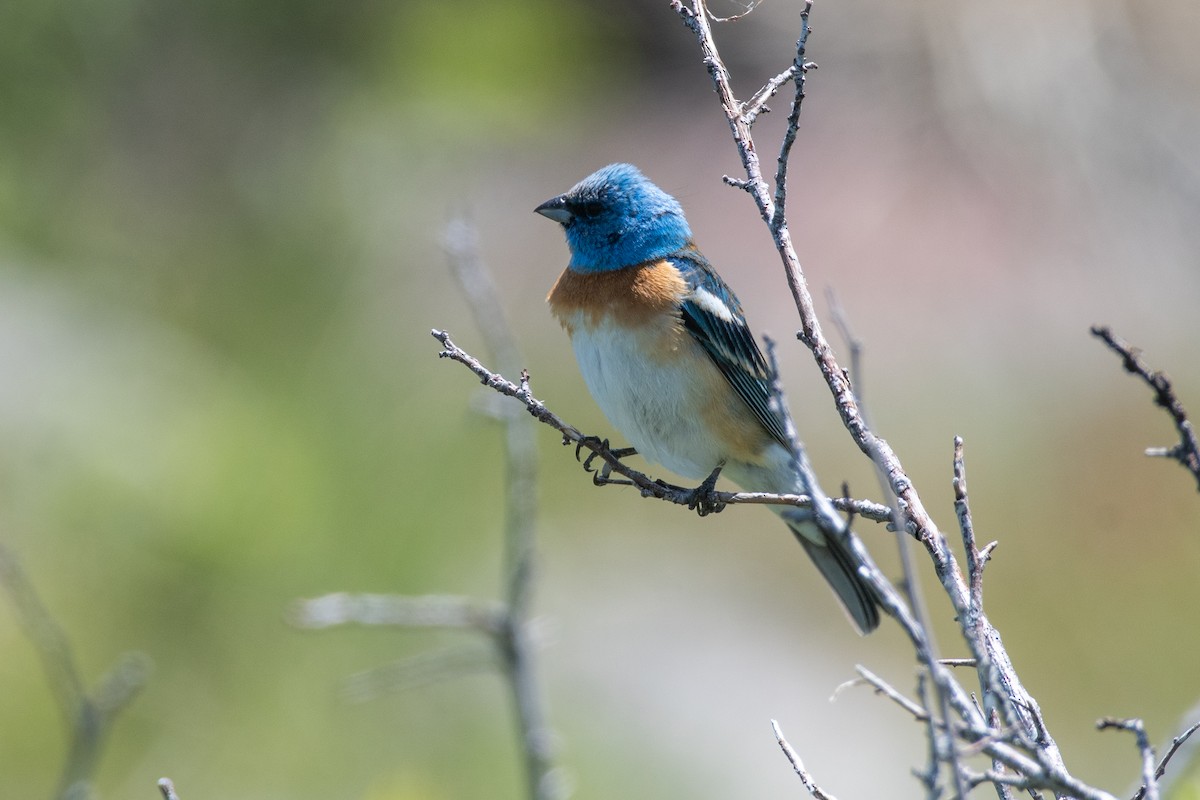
<point>616,218</point>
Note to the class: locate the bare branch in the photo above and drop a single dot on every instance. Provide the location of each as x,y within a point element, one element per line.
<point>167,788</point>
<point>1017,705</point>
<point>1176,743</point>
<point>1138,729</point>
<point>429,611</point>
<point>800,68</point>
<point>805,778</point>
<point>1187,451</point>
<point>48,639</point>
<point>696,19</point>
<point>918,712</point>
<point>1003,787</point>
<point>758,103</point>
<point>649,487</point>
<point>88,716</point>
<point>962,508</point>
<point>971,618</point>
<point>998,744</point>
<point>1044,766</point>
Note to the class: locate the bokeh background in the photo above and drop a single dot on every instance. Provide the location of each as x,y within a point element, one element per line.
<point>219,264</point>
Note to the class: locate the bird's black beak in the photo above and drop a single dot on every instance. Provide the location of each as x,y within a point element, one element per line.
<point>556,209</point>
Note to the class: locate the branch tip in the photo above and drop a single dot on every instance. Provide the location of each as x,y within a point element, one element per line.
<point>1187,451</point>
<point>167,788</point>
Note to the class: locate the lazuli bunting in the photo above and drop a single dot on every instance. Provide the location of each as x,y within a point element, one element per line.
<point>666,352</point>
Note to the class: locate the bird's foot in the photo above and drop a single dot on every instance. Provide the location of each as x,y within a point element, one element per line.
<point>602,476</point>
<point>703,499</point>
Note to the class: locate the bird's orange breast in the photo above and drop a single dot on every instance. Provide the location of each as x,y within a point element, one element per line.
<point>633,297</point>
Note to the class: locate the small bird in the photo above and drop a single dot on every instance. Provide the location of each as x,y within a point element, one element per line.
<point>667,355</point>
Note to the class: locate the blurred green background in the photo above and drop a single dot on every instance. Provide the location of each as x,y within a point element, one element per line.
<point>219,266</point>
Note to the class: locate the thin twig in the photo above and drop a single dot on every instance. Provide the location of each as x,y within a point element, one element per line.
<point>1004,782</point>
<point>800,68</point>
<point>962,508</point>
<point>649,487</point>
<point>167,788</point>
<point>971,619</point>
<point>1003,787</point>
<point>936,743</point>
<point>1138,729</point>
<point>918,712</point>
<point>758,103</point>
<point>995,744</point>
<point>805,777</point>
<point>1161,770</point>
<point>88,716</point>
<point>1187,451</point>
<point>48,639</point>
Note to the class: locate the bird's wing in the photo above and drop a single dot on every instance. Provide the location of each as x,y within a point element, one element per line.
<point>713,316</point>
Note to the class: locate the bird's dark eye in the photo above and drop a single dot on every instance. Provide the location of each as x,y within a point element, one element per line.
<point>591,208</point>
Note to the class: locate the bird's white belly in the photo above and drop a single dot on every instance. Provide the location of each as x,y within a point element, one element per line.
<point>656,403</point>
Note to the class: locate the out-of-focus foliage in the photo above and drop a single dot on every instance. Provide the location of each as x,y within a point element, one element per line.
<point>219,265</point>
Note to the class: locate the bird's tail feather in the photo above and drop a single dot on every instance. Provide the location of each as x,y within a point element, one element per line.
<point>837,564</point>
